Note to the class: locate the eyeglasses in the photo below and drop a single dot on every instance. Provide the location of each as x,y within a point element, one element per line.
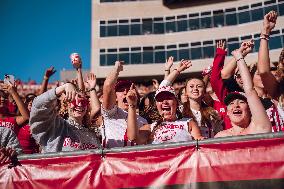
<point>237,76</point>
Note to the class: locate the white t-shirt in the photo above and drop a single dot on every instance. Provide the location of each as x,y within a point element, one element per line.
<point>114,127</point>
<point>176,131</point>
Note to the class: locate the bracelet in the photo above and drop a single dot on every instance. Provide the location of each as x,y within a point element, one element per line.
<point>242,58</point>
<point>132,106</point>
<point>45,78</point>
<point>177,71</point>
<point>91,89</point>
<point>263,37</point>
<point>167,70</point>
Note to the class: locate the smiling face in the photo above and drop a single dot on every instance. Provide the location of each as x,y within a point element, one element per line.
<point>195,89</point>
<point>78,107</point>
<point>238,112</point>
<point>167,106</point>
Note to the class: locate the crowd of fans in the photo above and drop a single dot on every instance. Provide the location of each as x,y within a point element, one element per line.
<point>229,99</point>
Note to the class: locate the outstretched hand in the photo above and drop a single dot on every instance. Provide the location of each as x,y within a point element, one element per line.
<point>49,72</point>
<point>131,96</point>
<point>169,63</point>
<point>91,81</point>
<point>247,47</point>
<point>221,45</point>
<point>183,65</point>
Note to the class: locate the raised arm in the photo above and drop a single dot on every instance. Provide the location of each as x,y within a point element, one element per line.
<point>269,81</point>
<point>168,65</point>
<point>216,80</point>
<point>91,83</point>
<point>77,64</point>
<point>230,67</point>
<point>48,73</point>
<point>260,119</point>
<point>109,97</point>
<point>183,65</point>
<point>8,87</point>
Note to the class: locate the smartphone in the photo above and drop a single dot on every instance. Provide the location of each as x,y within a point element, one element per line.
<point>9,79</point>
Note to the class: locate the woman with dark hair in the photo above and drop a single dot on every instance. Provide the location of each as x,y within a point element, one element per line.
<point>148,109</point>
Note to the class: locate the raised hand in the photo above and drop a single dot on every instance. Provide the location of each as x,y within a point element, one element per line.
<point>247,47</point>
<point>131,96</point>
<point>91,81</point>
<point>70,92</point>
<point>237,53</point>
<point>8,87</point>
<point>183,65</point>
<point>269,22</point>
<point>169,63</point>
<point>49,72</point>
<point>221,45</point>
<point>119,66</point>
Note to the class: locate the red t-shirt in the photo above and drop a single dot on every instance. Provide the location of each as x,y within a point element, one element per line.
<point>10,122</point>
<point>26,140</point>
<point>221,108</point>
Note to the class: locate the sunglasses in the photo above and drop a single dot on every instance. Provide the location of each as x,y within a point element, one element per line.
<point>82,101</point>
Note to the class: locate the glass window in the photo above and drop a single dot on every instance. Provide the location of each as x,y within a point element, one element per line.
<point>102,60</point>
<point>148,56</point>
<point>184,54</point>
<point>208,52</point>
<point>111,58</point>
<point>193,24</point>
<point>196,53</point>
<point>136,58</point>
<point>159,27</point>
<point>233,46</point>
<point>218,20</point>
<point>171,27</point>
<point>147,26</point>
<point>160,57</point>
<point>257,14</point>
<point>172,53</point>
<point>123,30</point>
<point>275,42</point>
<point>206,22</point>
<point>124,57</point>
<point>102,31</point>
<point>281,9</point>
<point>182,25</point>
<point>231,19</point>
<point>270,8</point>
<point>112,30</point>
<point>135,29</point>
<point>256,45</point>
<point>244,17</point>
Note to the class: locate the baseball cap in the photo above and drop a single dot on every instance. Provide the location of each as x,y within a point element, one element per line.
<point>234,95</point>
<point>164,91</point>
<point>122,85</point>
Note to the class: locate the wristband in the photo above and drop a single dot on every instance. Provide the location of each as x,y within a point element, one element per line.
<point>242,58</point>
<point>45,78</point>
<point>265,38</point>
<point>177,71</point>
<point>167,70</point>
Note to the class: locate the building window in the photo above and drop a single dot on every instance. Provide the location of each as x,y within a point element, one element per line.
<point>208,52</point>
<point>147,26</point>
<point>231,19</point>
<point>206,22</point>
<point>257,14</point>
<point>218,18</point>
<point>275,42</point>
<point>170,25</point>
<point>281,9</point>
<point>136,58</point>
<point>196,53</point>
<point>112,30</point>
<point>103,60</point>
<point>159,27</point>
<point>148,55</point>
<point>111,58</point>
<point>123,30</point>
<point>102,31</point>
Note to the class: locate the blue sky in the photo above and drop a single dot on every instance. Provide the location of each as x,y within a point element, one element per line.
<point>37,34</point>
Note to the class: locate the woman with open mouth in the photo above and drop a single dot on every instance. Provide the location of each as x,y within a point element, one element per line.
<point>245,111</point>
<point>56,134</point>
<point>169,128</point>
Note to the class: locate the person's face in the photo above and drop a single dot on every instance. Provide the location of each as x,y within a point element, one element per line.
<point>167,106</point>
<point>239,80</point>
<point>238,112</point>
<point>3,101</point>
<point>277,74</point>
<point>78,107</point>
<point>183,96</point>
<point>121,98</point>
<point>30,105</point>
<point>195,89</point>
<point>257,82</point>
